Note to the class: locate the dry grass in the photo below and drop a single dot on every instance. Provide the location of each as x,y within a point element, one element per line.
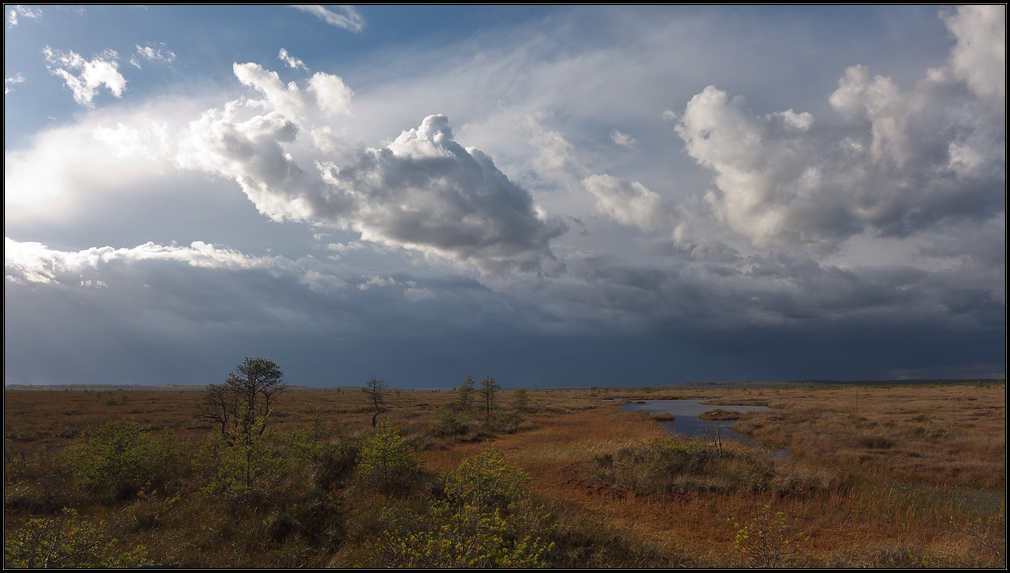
<point>954,435</point>
<point>867,519</point>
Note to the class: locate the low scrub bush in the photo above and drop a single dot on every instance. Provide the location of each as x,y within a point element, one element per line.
<point>587,539</point>
<point>486,519</point>
<point>119,460</point>
<point>386,462</point>
<point>652,468</point>
<point>38,482</point>
<point>678,466</point>
<point>447,423</point>
<point>64,540</point>
<point>242,472</point>
<point>330,463</point>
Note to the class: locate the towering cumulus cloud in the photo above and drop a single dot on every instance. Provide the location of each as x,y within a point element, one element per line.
<point>426,192</point>
<point>422,192</point>
<point>900,163</point>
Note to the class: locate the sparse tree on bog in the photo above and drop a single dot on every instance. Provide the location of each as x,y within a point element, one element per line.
<point>375,389</point>
<point>242,404</point>
<point>465,392</point>
<point>488,388</point>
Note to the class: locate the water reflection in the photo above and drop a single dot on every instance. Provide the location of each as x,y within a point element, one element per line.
<point>686,420</point>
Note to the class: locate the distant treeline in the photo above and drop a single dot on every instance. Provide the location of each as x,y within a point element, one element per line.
<point>159,387</point>
<point>685,385</point>
<point>801,383</point>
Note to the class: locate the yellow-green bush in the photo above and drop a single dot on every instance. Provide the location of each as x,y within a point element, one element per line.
<point>386,462</point>
<point>64,540</point>
<point>119,460</point>
<point>487,519</point>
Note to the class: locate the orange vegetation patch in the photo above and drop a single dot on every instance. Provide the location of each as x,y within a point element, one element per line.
<point>864,520</point>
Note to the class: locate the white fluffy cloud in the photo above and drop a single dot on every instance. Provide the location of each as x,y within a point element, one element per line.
<point>629,202</point>
<point>84,77</point>
<point>332,96</point>
<point>980,54</point>
<point>903,161</point>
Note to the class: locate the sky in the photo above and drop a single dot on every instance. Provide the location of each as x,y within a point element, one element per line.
<point>551,196</point>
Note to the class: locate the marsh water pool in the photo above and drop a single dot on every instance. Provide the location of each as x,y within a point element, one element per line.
<point>686,421</point>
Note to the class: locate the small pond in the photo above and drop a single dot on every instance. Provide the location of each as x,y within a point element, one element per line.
<point>685,418</point>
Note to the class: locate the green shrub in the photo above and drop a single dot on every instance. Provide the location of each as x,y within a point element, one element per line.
<point>447,423</point>
<point>65,541</point>
<point>675,466</point>
<point>486,482</point>
<point>386,462</point>
<point>330,463</point>
<point>119,460</point>
<point>487,519</point>
<point>243,471</point>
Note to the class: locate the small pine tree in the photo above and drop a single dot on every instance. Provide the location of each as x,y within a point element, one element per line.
<point>487,392</point>
<point>465,393</point>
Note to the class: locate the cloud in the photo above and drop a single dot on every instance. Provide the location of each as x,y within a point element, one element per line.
<point>62,159</point>
<point>554,154</point>
<point>27,263</point>
<point>291,61</point>
<point>332,96</point>
<point>100,70</point>
<point>249,152</point>
<point>350,19</point>
<point>425,192</point>
<point>149,141</point>
<point>622,139</point>
<point>32,262</point>
<point>323,283</point>
<point>901,162</point>
<point>411,291</point>
<point>885,208</point>
<point>286,100</point>
<point>152,55</point>
<point>21,11</point>
<point>979,58</point>
<point>17,79</point>
<point>629,202</point>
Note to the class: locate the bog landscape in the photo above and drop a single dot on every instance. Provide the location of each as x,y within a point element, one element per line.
<point>252,473</point>
<point>523,285</point>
